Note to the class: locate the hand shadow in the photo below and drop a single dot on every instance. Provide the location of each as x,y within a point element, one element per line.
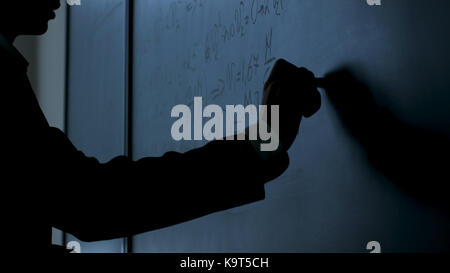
<point>415,159</point>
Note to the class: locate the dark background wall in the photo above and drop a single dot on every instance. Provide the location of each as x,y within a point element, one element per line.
<point>330,199</point>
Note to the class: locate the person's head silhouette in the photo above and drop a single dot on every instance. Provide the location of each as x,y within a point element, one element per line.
<point>26,17</point>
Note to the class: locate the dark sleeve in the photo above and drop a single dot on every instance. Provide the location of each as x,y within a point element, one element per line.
<point>124,197</point>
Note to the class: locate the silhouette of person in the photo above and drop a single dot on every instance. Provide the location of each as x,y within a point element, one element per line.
<point>50,183</point>
<point>415,159</point>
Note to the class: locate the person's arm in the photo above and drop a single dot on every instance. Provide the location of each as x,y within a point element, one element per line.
<point>122,197</point>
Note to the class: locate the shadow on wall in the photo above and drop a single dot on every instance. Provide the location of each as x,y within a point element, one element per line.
<point>415,159</point>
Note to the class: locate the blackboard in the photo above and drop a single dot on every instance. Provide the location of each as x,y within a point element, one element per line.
<point>330,199</point>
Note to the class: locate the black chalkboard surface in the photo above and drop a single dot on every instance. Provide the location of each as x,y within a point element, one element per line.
<point>330,199</point>
<point>131,62</point>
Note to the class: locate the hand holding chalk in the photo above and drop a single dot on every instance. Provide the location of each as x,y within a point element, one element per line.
<point>295,91</point>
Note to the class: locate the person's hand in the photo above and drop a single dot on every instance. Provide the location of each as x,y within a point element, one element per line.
<point>294,90</point>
